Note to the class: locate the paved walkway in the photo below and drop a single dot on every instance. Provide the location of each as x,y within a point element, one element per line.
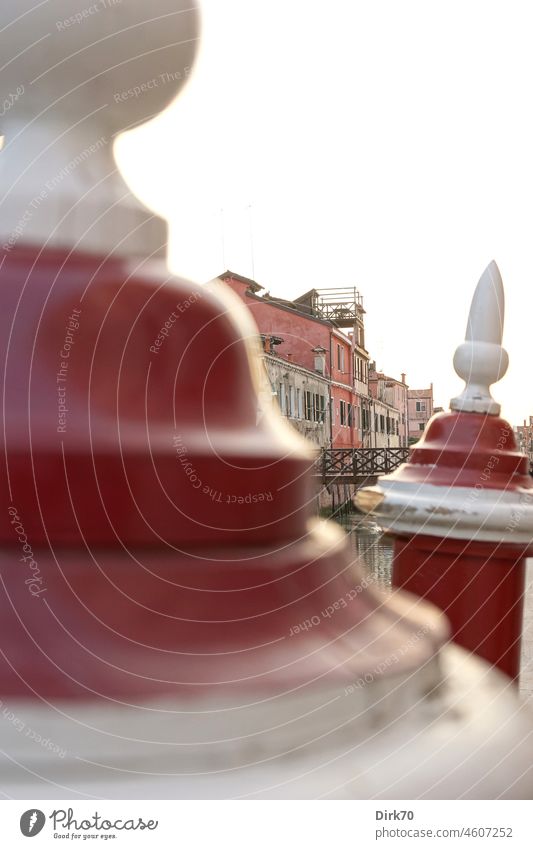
<point>526,674</point>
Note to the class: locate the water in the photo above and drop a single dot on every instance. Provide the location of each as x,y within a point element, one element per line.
<point>372,546</point>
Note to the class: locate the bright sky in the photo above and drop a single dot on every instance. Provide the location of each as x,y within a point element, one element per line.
<point>383,144</point>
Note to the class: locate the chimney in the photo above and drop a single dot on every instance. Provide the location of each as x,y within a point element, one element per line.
<point>268,345</point>
<point>403,377</point>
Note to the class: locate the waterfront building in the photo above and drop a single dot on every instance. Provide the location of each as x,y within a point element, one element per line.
<point>319,368</point>
<point>390,409</point>
<point>303,396</point>
<point>296,346</point>
<point>345,401</point>
<point>420,405</point>
<point>524,438</point>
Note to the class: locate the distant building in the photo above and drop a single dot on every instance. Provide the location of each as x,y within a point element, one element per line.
<point>303,396</point>
<point>524,438</point>
<point>390,409</point>
<point>342,311</point>
<point>420,403</point>
<point>318,372</point>
<point>319,368</point>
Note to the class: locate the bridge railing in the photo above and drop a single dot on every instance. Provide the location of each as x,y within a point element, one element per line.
<point>359,462</point>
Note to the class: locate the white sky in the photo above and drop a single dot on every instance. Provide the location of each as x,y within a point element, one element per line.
<point>383,144</point>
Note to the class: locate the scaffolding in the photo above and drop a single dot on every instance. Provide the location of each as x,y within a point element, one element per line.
<point>340,306</point>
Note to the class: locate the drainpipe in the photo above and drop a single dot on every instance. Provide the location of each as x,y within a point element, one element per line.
<point>331,412</point>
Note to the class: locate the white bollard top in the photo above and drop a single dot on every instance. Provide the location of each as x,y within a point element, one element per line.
<point>74,77</point>
<point>481,360</point>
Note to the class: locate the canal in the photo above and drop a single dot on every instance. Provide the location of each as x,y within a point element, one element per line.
<point>371,545</point>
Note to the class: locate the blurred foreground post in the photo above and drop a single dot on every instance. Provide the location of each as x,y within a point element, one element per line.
<point>174,621</point>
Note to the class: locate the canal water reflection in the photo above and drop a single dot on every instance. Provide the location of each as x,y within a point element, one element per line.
<point>372,546</point>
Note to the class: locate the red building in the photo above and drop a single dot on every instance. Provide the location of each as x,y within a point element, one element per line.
<point>345,403</point>
<point>308,333</point>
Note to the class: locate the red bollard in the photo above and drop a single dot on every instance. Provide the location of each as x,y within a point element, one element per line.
<point>460,509</point>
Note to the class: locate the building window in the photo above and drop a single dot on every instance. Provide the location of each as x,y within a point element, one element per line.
<point>382,424</point>
<point>299,403</point>
<point>292,403</point>
<point>350,415</point>
<point>322,408</point>
<point>421,426</point>
<point>420,406</point>
<point>376,422</point>
<point>309,406</point>
<point>342,411</point>
<point>332,407</point>
<point>316,408</point>
<point>282,399</point>
<point>340,358</point>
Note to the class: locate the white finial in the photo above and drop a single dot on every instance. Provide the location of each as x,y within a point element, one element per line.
<point>481,360</point>
<point>74,76</point>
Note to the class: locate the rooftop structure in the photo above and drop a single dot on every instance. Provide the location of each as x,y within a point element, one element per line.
<point>340,306</point>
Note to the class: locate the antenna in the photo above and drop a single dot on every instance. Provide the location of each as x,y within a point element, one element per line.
<point>250,220</point>
<point>222,235</point>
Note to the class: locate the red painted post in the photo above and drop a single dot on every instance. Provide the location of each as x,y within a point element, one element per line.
<point>461,508</point>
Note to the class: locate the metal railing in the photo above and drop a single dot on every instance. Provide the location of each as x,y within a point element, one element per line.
<point>359,462</point>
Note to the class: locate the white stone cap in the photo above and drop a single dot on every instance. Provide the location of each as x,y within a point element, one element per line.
<point>458,512</point>
<point>481,360</point>
<point>74,76</point>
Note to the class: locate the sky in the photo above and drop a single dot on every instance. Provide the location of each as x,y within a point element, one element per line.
<point>386,145</point>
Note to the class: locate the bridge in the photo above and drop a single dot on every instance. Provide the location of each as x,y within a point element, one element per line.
<point>357,465</point>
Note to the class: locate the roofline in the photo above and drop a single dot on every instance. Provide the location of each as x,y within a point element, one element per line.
<point>379,375</point>
<point>344,336</point>
<point>233,274</point>
<point>273,303</point>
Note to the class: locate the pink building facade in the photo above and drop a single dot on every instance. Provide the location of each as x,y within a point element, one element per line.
<point>420,403</point>
<point>320,372</point>
<point>392,395</point>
